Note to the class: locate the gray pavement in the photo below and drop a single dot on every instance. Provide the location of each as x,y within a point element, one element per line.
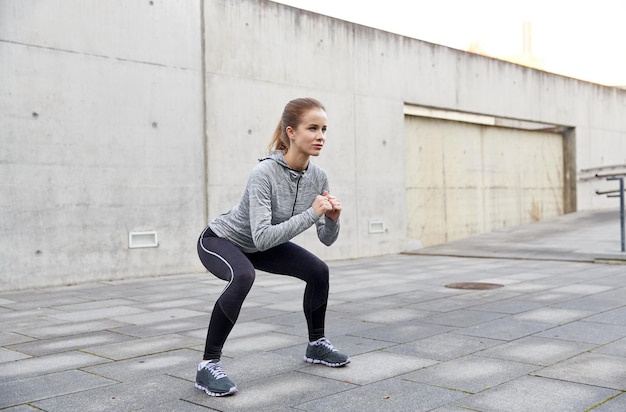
<point>552,338</point>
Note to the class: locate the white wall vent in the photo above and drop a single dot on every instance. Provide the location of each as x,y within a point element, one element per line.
<point>142,239</point>
<point>376,226</point>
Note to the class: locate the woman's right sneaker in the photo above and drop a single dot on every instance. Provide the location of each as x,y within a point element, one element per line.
<point>322,351</point>
<point>212,379</point>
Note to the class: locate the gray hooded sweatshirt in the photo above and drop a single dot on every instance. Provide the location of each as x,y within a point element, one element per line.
<point>276,206</point>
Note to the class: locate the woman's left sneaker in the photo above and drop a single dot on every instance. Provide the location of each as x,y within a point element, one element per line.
<point>212,379</point>
<point>322,351</point>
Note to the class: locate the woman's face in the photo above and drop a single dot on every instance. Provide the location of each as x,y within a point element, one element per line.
<point>309,136</point>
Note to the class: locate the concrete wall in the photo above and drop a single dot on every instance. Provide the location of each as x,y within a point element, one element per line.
<point>132,115</point>
<point>101,133</point>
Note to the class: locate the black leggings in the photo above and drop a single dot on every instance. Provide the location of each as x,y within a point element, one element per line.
<point>228,262</point>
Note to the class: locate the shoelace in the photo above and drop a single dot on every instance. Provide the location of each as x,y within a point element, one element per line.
<point>325,342</point>
<point>216,370</point>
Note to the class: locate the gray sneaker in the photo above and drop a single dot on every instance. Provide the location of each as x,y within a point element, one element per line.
<point>213,380</point>
<point>322,351</point>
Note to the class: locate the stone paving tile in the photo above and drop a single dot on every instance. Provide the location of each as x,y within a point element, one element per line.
<point>94,304</point>
<point>33,318</point>
<point>610,317</point>
<point>68,343</point>
<point>136,369</point>
<point>42,302</point>
<point>505,329</point>
<point>366,294</point>
<point>550,297</point>
<point>158,316</point>
<point>104,291</point>
<point>615,348</point>
<point>361,309</point>
<point>462,318</point>
<point>471,374</point>
<point>249,313</point>
<point>71,328</point>
<point>21,408</point>
<point>294,319</point>
<point>191,293</point>
<point>188,303</point>
<point>509,306</point>
<point>531,287</point>
<point>524,273</point>
<point>295,288</point>
<point>12,297</point>
<point>24,368</point>
<point>392,315</point>
<point>402,332</point>
<point>371,367</point>
<point>93,314</point>
<point>444,347</point>
<point>591,369</point>
<point>589,332</point>
<point>583,289</point>
<point>595,303</point>
<point>119,397</point>
<point>494,295</point>
<point>243,329</point>
<point>616,404</point>
<point>336,325</point>
<point>266,342</point>
<point>530,393</point>
<point>257,366</point>
<point>351,345</point>
<point>143,346</point>
<point>552,315</point>
<point>199,333</point>
<point>48,386</point>
<point>444,304</point>
<point>175,405</point>
<point>8,355</point>
<point>165,327</point>
<point>387,395</point>
<point>407,298</point>
<point>618,293</point>
<point>292,305</point>
<point>10,338</point>
<point>538,351</point>
<point>275,393</point>
<point>450,408</point>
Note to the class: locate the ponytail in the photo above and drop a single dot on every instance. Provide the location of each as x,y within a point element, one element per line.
<point>280,141</point>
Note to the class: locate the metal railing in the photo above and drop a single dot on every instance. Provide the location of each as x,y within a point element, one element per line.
<point>615,172</point>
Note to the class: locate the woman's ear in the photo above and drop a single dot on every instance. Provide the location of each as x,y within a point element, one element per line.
<point>289,131</point>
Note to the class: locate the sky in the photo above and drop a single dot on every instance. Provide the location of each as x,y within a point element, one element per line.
<point>584,39</point>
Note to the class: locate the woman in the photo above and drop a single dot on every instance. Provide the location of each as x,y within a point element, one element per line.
<point>285,195</point>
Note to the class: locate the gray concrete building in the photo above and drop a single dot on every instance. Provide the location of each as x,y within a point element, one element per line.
<point>125,126</point>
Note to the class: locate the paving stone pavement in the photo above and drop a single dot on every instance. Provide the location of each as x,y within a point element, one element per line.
<point>552,338</point>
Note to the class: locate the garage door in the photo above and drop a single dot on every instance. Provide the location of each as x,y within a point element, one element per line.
<point>464,179</point>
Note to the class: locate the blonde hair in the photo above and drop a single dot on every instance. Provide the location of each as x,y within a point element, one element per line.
<point>292,115</point>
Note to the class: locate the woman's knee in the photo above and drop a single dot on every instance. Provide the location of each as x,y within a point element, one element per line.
<point>320,272</point>
<point>244,278</point>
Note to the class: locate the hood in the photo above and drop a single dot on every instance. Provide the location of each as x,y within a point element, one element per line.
<point>279,157</point>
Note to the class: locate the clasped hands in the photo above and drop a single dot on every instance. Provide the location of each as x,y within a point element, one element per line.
<point>327,204</point>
